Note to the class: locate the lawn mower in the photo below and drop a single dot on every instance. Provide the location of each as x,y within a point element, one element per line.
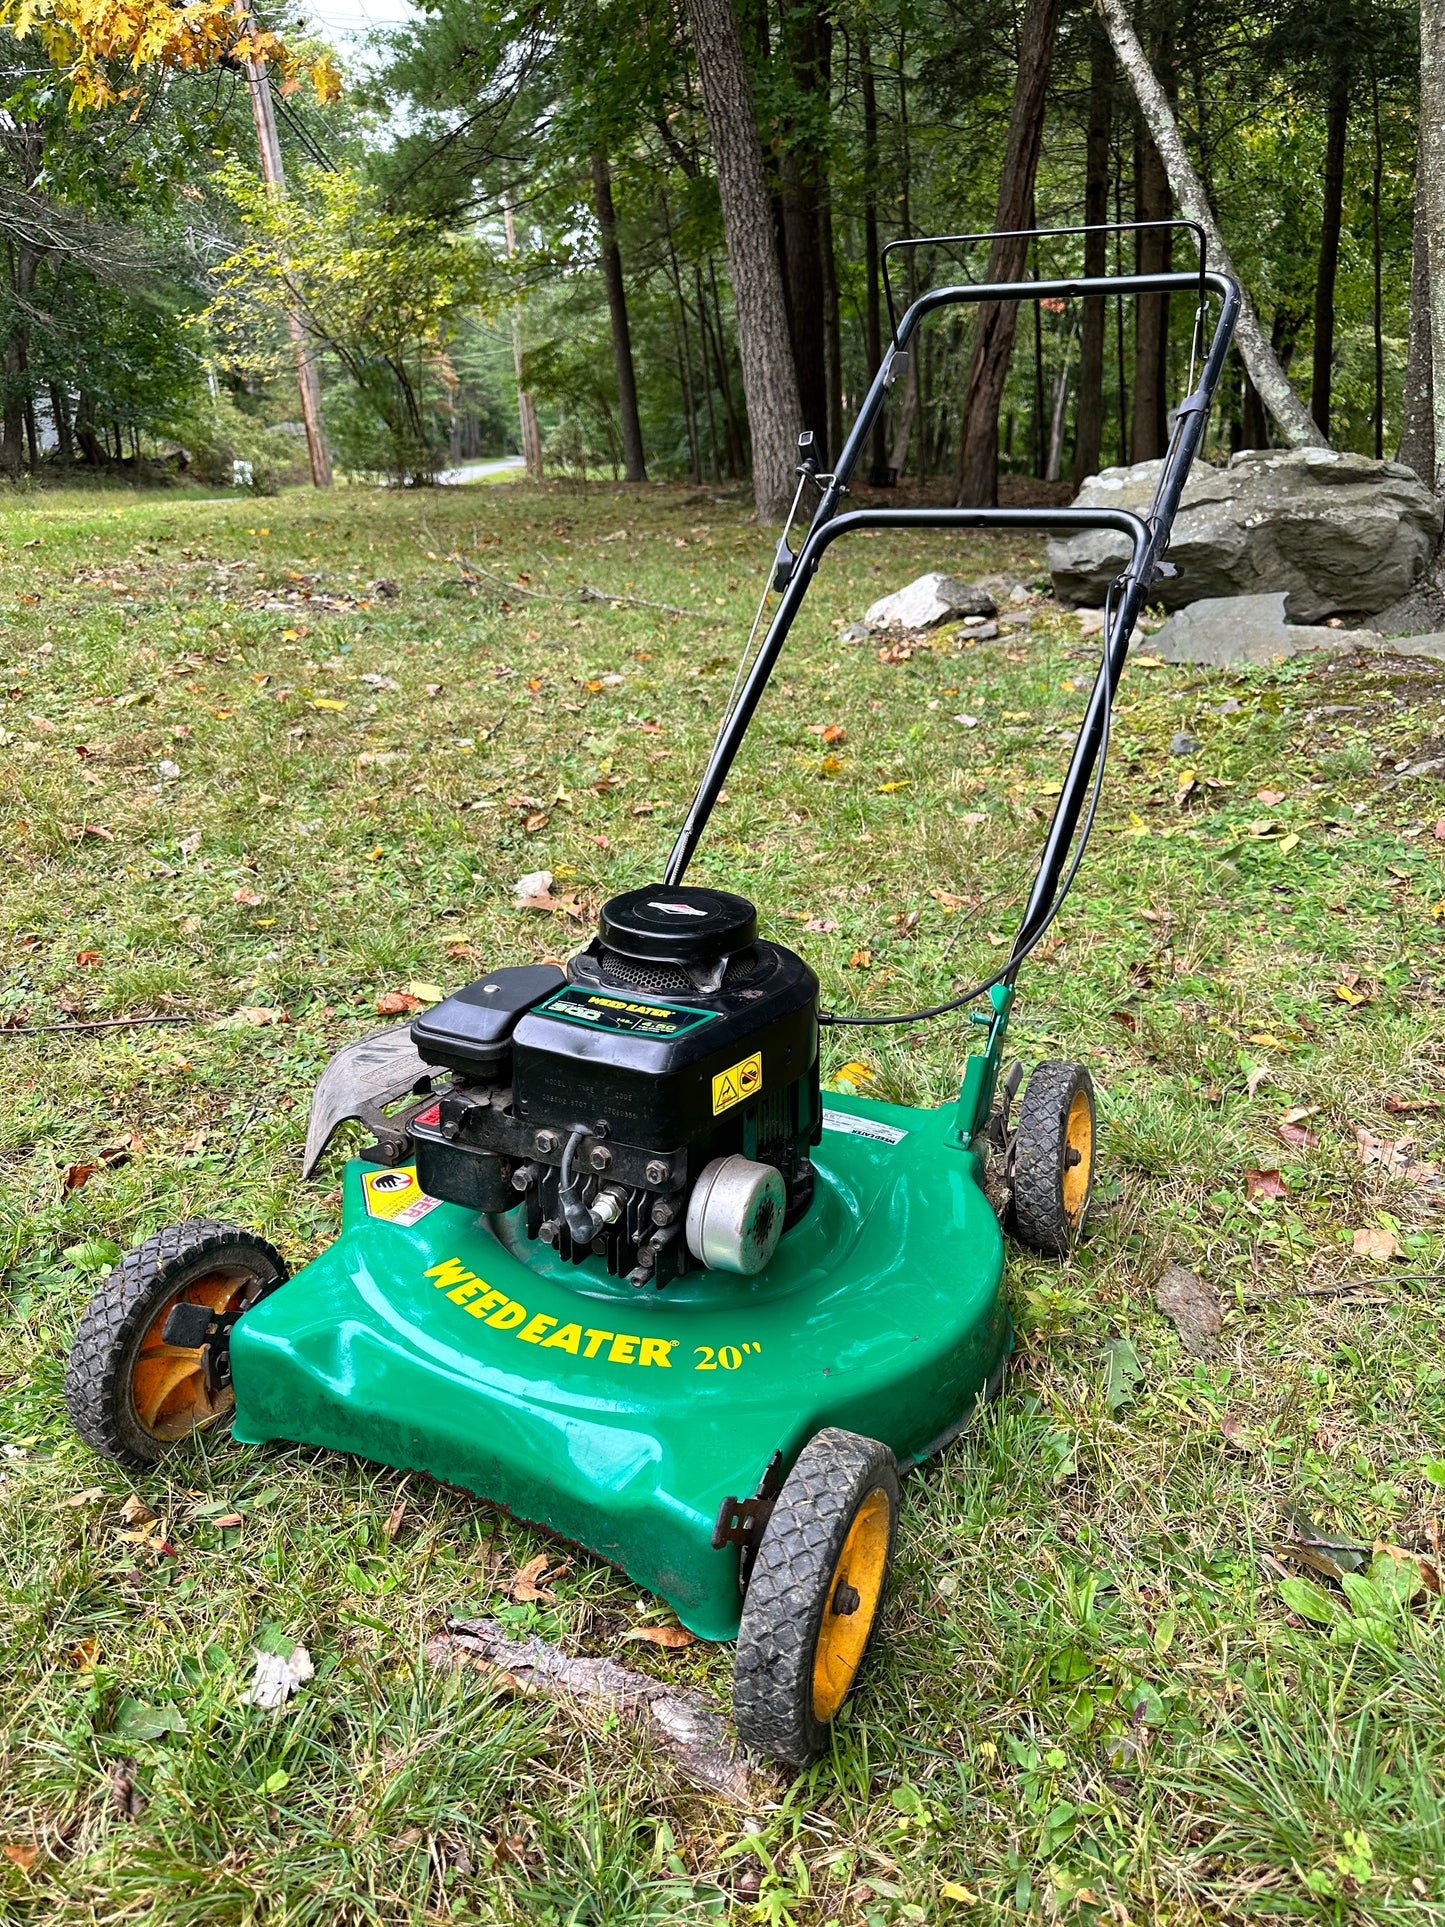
<point>615,1262</point>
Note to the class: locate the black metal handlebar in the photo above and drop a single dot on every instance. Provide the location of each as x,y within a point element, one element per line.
<point>1148,536</point>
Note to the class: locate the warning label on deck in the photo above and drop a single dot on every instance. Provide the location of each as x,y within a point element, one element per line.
<point>862,1127</point>
<point>738,1083</point>
<point>396,1195</point>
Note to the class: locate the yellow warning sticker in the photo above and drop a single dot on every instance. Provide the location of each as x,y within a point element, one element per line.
<point>396,1195</point>
<point>737,1084</point>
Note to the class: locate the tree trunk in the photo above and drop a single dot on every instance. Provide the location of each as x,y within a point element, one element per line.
<point>1288,412</point>
<point>1417,429</point>
<point>998,321</point>
<point>879,474</point>
<point>308,376</point>
<point>634,466</point>
<point>769,381</point>
<point>1432,195</point>
<point>531,434</point>
<point>1153,254</point>
<point>1089,416</point>
<point>1337,124</point>
<point>806,41</point>
<point>60,415</point>
<point>832,331</point>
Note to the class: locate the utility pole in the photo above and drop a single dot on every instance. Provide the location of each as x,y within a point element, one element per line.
<point>526,407</point>
<point>307,379</point>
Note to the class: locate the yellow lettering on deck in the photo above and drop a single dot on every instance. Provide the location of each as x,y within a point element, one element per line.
<point>532,1332</point>
<point>594,1341</point>
<point>566,1339</point>
<point>507,1317</point>
<point>488,1301</point>
<point>623,1350</point>
<point>655,1351</point>
<point>451,1272</point>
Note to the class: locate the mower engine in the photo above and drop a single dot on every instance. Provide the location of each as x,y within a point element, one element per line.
<point>654,1105</point>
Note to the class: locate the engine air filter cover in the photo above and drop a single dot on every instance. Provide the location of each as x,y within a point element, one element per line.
<point>687,927</point>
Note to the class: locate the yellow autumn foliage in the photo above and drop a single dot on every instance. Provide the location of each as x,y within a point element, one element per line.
<point>89,40</point>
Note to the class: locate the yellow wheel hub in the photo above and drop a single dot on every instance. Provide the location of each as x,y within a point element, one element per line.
<point>1078,1169</point>
<point>854,1594</point>
<point>168,1389</point>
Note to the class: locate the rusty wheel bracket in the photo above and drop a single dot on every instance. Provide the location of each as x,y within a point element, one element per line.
<point>740,1522</point>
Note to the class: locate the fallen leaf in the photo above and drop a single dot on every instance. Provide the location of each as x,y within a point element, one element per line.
<point>126,1799</point>
<point>190,1146</point>
<point>135,1511</point>
<point>1259,1075</point>
<point>888,789</point>
<point>1265,1184</point>
<point>91,1496</point>
<point>1348,994</point>
<point>398,1003</point>
<point>948,901</point>
<point>228,1521</point>
<point>20,1855</point>
<point>1233,1427</point>
<point>673,1637</point>
<point>1371,1241</point>
<point>861,960</point>
<point>1298,1112</point>
<point>821,926</point>
<point>1126,1018</point>
<point>1407,1106</point>
<point>955,1890</point>
<point>1191,1307</point>
<point>526,1587</point>
<point>277,1676</point>
<point>78,1174</point>
<point>857,1073</point>
<point>1270,798</point>
<point>128,1147</point>
<point>327,702</point>
<point>135,1720</point>
<point>831,765</point>
<point>429,993</point>
<point>261,1016</point>
<point>1297,1136</point>
<point>247,897</point>
<point>87,959</point>
<point>397,1514</point>
<point>835,733</point>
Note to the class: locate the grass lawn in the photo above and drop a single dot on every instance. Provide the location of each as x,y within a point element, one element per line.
<point>268,761</point>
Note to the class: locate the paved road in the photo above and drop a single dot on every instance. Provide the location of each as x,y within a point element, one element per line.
<point>478,471</point>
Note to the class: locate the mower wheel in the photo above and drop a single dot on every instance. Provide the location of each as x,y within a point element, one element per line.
<point>132,1395</point>
<point>814,1594</point>
<point>1054,1158</point>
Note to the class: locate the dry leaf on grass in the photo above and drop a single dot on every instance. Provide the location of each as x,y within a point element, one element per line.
<point>1191,1307</point>
<point>92,1495</point>
<point>78,1174</point>
<point>397,1003</point>
<point>1265,1184</point>
<point>1371,1241</point>
<point>135,1511</point>
<point>247,897</point>
<point>673,1637</point>
<point>21,1854</point>
<point>1298,1137</point>
<point>526,1586</point>
<point>262,1016</point>
<point>277,1677</point>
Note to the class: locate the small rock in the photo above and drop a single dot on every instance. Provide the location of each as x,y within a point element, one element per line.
<point>1231,706</point>
<point>855,632</point>
<point>386,587</point>
<point>1182,744</point>
<point>1191,1307</point>
<point>168,769</point>
<point>929,600</point>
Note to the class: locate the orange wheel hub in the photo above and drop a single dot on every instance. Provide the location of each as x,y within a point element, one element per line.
<point>168,1386</point>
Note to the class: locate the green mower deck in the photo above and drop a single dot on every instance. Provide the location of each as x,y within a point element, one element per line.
<point>428,1337</point>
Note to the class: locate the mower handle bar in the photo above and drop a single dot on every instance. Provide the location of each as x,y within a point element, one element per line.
<point>912,241</point>
<point>1148,536</point>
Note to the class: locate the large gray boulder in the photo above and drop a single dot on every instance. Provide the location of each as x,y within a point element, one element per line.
<point>1338,534</point>
<point>929,600</point>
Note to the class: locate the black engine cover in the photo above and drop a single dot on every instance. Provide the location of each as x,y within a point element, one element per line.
<point>659,1075</point>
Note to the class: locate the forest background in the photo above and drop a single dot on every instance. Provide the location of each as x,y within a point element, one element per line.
<point>505,233</point>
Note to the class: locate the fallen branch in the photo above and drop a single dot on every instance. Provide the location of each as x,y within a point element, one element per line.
<point>695,1734</point>
<point>104,1023</point>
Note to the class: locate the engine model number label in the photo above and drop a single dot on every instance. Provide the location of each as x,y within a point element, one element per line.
<point>597,1010</point>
